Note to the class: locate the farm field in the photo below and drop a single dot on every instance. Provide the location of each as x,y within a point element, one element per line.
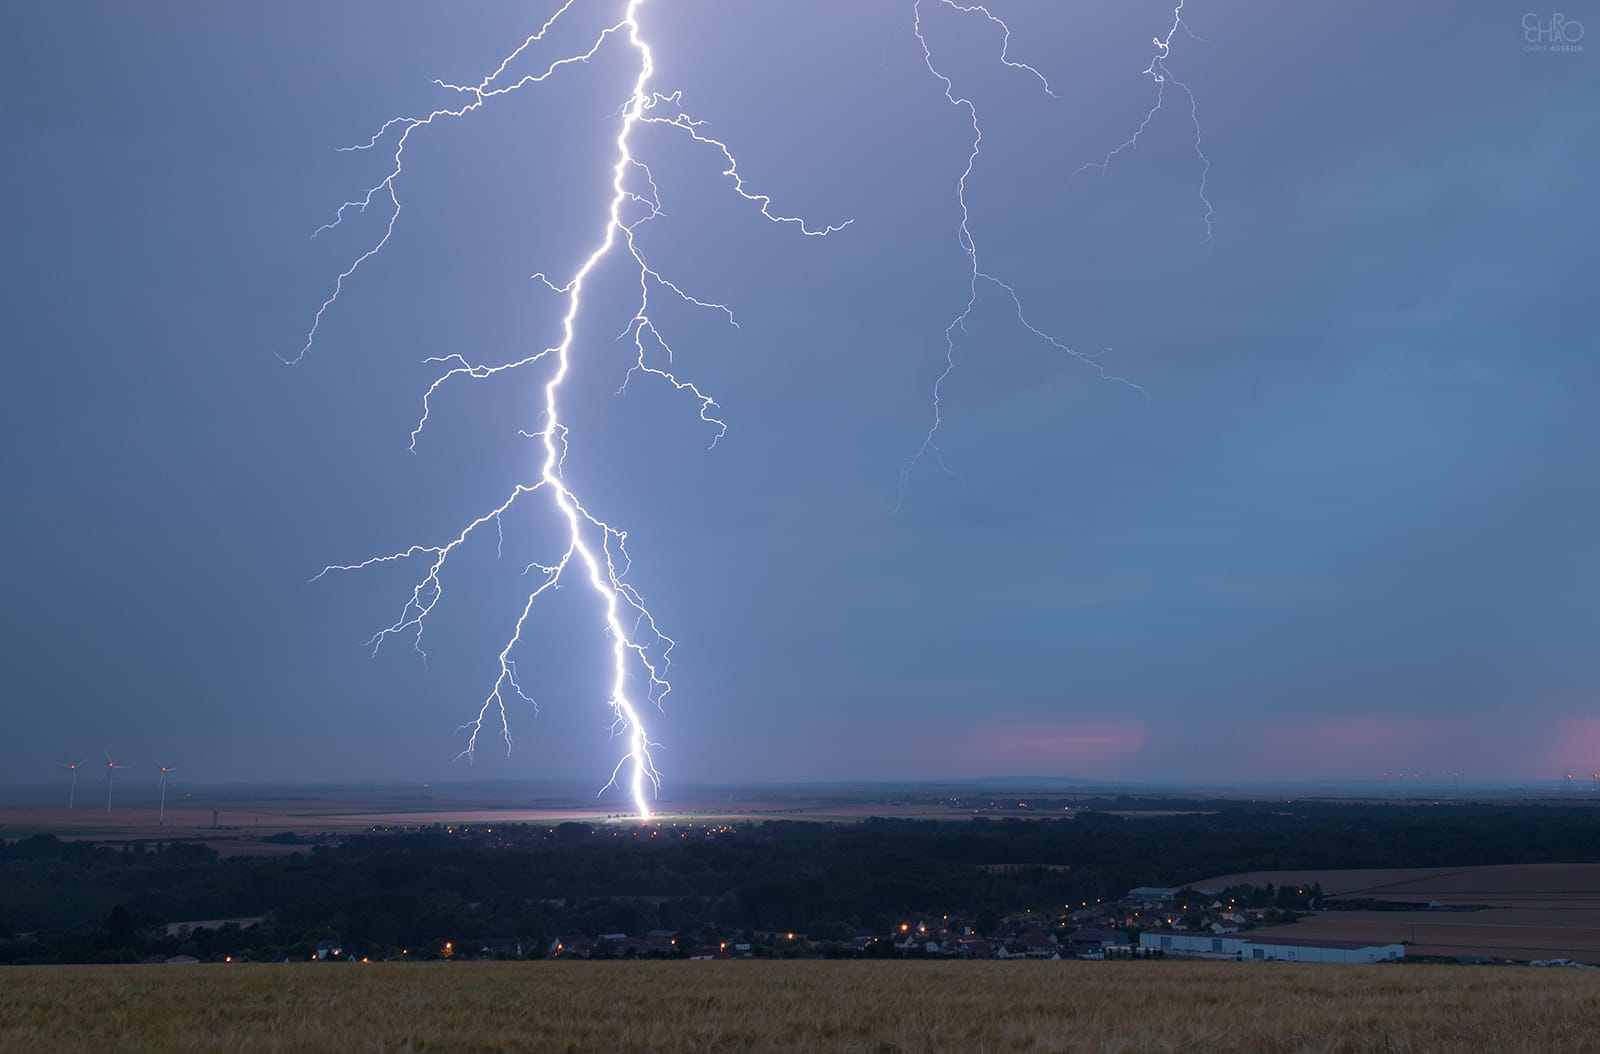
<point>1533,911</point>
<point>671,1007</point>
<point>239,825</point>
<point>1465,885</point>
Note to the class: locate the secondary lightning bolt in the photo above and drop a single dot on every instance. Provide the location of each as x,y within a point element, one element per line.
<point>640,651</point>
<point>977,275</point>
<point>1158,71</point>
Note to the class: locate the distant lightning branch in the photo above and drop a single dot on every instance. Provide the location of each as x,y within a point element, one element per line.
<point>977,276</point>
<point>1162,76</point>
<point>594,550</point>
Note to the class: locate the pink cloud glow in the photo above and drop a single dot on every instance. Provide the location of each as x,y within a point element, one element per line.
<point>1575,749</point>
<point>1352,733</point>
<point>1095,748</point>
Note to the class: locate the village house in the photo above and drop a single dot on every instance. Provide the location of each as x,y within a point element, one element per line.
<point>571,946</point>
<point>1093,940</point>
<point>663,941</point>
<point>1150,898</point>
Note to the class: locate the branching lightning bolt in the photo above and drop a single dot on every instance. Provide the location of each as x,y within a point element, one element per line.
<point>595,550</point>
<point>977,275</point>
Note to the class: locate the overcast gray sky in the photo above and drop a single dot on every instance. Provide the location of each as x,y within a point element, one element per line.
<point>1350,526</point>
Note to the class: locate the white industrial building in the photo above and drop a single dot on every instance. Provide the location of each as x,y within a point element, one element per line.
<point>1272,948</point>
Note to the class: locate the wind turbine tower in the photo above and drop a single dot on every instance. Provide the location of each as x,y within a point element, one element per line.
<point>162,821</point>
<point>72,794</point>
<point>111,779</point>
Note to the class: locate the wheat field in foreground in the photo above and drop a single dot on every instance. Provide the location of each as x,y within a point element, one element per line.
<point>877,1007</point>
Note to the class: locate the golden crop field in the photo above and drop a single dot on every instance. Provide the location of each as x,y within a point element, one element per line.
<point>832,1007</point>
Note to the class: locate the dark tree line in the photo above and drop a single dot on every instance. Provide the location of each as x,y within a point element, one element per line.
<point>383,894</point>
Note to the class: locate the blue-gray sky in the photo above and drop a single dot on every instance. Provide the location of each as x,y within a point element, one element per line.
<point>1351,526</point>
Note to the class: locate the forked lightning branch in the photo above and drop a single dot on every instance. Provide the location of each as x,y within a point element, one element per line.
<point>594,551</point>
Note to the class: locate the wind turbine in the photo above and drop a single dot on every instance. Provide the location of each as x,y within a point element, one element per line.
<point>110,778</point>
<point>162,822</point>
<point>72,795</point>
